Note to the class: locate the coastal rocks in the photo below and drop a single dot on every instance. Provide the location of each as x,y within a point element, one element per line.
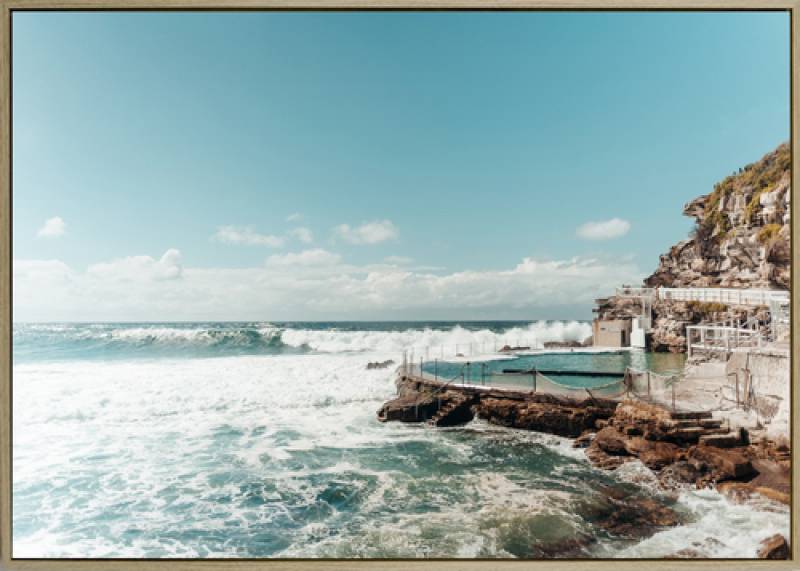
<point>509,349</point>
<point>667,441</point>
<point>567,344</point>
<point>418,402</point>
<point>422,401</point>
<point>543,413</point>
<point>409,408</point>
<point>627,515</point>
<point>718,464</point>
<point>380,364</point>
<point>775,547</point>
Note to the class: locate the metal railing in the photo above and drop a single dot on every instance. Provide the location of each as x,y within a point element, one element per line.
<point>723,337</point>
<point>754,297</point>
<point>508,344</point>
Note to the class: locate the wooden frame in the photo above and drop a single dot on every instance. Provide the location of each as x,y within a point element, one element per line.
<point>6,9</point>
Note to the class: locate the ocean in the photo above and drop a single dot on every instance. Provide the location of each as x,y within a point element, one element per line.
<point>252,440</point>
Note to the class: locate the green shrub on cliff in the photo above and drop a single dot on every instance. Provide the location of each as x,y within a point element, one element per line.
<point>706,307</point>
<point>768,233</point>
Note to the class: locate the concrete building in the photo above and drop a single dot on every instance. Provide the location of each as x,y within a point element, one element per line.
<point>611,332</point>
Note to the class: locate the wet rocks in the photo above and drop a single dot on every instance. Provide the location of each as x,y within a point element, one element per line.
<point>628,515</point>
<point>379,364</point>
<point>719,464</point>
<point>543,413</point>
<point>775,547</point>
<point>562,344</point>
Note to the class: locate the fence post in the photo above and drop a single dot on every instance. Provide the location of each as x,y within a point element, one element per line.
<point>673,394</point>
<point>420,366</point>
<point>648,385</point>
<point>436,369</point>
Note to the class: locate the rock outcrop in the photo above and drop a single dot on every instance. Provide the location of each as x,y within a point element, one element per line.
<point>419,401</point>
<point>741,233</point>
<point>774,547</point>
<point>740,240</point>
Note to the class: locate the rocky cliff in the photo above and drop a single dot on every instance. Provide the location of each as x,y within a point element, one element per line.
<point>741,234</point>
<point>740,240</point>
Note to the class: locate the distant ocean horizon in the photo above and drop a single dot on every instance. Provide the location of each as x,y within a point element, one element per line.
<point>260,439</point>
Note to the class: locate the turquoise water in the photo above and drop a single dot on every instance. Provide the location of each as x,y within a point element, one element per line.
<point>261,440</point>
<point>491,372</point>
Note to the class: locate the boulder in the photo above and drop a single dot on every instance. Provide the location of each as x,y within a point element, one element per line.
<point>719,464</point>
<point>610,441</point>
<point>653,454</point>
<point>626,514</point>
<point>774,547</point>
<point>551,416</point>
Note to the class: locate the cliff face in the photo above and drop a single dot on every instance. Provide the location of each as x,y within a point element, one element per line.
<point>740,240</point>
<point>741,235</point>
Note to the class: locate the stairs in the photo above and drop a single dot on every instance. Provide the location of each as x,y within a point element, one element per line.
<point>698,427</point>
<point>443,416</point>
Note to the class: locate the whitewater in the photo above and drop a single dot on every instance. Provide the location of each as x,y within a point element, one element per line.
<point>260,440</point>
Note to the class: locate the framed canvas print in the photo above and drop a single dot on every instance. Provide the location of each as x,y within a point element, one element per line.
<point>397,284</point>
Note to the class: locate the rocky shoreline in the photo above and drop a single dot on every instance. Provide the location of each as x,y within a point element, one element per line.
<point>682,449</point>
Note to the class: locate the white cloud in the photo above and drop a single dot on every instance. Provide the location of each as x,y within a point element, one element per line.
<point>296,217</point>
<point>246,235</point>
<point>315,257</point>
<point>303,234</point>
<point>604,230</point>
<point>53,228</point>
<point>140,268</point>
<point>368,233</point>
<point>306,285</point>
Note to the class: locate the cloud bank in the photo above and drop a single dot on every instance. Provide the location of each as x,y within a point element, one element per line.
<point>312,284</point>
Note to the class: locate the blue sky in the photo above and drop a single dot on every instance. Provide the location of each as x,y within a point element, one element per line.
<point>453,146</point>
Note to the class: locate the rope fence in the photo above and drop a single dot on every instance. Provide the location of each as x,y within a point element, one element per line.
<point>643,385</point>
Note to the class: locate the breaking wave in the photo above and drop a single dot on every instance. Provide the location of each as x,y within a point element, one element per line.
<point>67,341</point>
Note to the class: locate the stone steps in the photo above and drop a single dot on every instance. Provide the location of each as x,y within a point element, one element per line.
<point>727,440</point>
<point>703,423</point>
<point>443,412</point>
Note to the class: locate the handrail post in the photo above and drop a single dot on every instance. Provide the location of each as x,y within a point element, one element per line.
<point>436,369</point>
<point>673,394</point>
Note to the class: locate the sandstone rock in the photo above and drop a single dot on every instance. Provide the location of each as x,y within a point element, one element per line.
<point>584,440</point>
<point>610,441</point>
<point>719,463</point>
<point>562,344</point>
<point>678,474</point>
<point>774,547</point>
<point>545,415</point>
<point>603,460</point>
<point>626,514</point>
<point>654,455</point>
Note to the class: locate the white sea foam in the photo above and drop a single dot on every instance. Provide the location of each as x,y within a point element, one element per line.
<point>198,457</point>
<point>457,338</point>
